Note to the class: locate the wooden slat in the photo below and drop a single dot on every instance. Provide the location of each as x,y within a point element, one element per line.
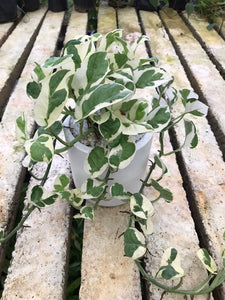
<point>5,29</point>
<point>106,18</point>
<point>173,224</point>
<point>18,104</point>
<point>106,272</point>
<point>38,269</point>
<point>15,50</point>
<point>212,42</point>
<point>205,168</point>
<point>44,257</point>
<point>201,70</point>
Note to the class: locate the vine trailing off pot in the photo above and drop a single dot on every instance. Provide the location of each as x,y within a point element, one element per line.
<point>95,82</point>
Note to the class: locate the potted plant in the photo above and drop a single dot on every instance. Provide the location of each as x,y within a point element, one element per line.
<point>84,5</point>
<point>8,10</point>
<point>95,87</point>
<point>57,5</point>
<point>29,5</point>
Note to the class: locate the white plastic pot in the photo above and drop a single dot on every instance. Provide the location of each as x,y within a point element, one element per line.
<point>129,177</point>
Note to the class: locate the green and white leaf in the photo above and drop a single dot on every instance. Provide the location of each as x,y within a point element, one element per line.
<point>163,193</point>
<point>196,108</point>
<point>75,198</point>
<point>124,77</point>
<point>207,260</point>
<point>86,212</point>
<point>40,149</point>
<point>111,128</point>
<point>92,188</point>
<point>52,98</point>
<point>109,39</point>
<point>96,162</point>
<point>61,183</point>
<point>91,73</point>
<point>134,243</point>
<point>170,265</point>
<point>191,138</point>
<point>149,76</point>
<point>121,155</point>
<point>141,206</point>
<point>40,197</point>
<point>132,128</point>
<point>100,118</point>
<point>100,97</point>
<point>21,129</point>
<point>147,226</point>
<point>159,117</point>
<point>117,191</point>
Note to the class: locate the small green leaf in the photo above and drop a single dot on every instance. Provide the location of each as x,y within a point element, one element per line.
<point>141,206</point>
<point>86,212</point>
<point>170,265</point>
<point>189,8</point>
<point>33,89</point>
<point>118,191</point>
<point>121,155</point>
<point>164,193</point>
<point>207,260</point>
<point>21,131</point>
<point>97,162</point>
<point>61,183</point>
<point>191,138</point>
<point>40,197</point>
<point>92,188</point>
<point>40,149</point>
<point>134,243</point>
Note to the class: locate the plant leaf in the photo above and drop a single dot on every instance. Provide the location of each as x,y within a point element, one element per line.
<point>149,76</point>
<point>191,138</point>
<point>86,212</point>
<point>170,265</point>
<point>121,155</point>
<point>207,260</point>
<point>40,149</point>
<point>141,206</point>
<point>41,197</point>
<point>134,243</point>
<point>92,188</point>
<point>164,193</point>
<point>96,162</point>
<point>118,191</point>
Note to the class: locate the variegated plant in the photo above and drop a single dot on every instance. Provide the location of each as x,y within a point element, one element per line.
<point>95,81</point>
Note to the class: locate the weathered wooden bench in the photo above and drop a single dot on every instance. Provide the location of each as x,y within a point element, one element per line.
<point>195,218</point>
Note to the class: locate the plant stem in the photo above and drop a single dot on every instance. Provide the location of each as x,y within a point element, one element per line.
<point>19,225</point>
<point>197,291</point>
<point>77,139</point>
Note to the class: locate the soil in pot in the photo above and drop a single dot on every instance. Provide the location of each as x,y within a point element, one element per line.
<point>129,177</point>
<point>57,5</point>
<point>8,10</point>
<point>29,5</point>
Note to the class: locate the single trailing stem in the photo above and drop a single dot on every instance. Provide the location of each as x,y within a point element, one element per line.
<point>58,138</point>
<point>104,192</point>
<point>196,291</point>
<point>145,182</point>
<point>77,139</point>
<point>19,225</point>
